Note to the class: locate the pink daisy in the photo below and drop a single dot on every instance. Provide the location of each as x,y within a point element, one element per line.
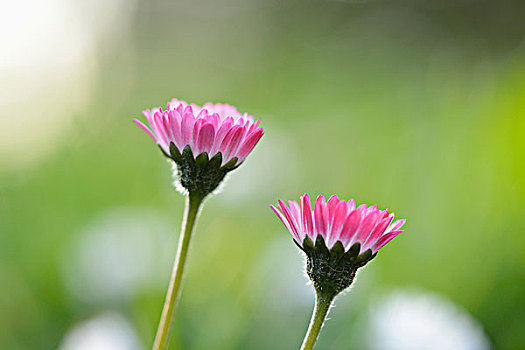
<point>339,221</point>
<point>211,129</point>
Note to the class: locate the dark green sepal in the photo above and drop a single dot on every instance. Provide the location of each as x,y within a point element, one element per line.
<point>353,252</point>
<point>308,245</point>
<point>337,251</point>
<point>187,154</point>
<point>321,251</point>
<point>231,165</point>
<point>199,175</point>
<point>175,153</point>
<point>215,162</point>
<point>202,160</point>
<point>333,270</point>
<point>365,258</point>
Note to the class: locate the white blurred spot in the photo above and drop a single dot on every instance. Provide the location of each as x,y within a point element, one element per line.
<point>119,252</point>
<point>109,331</point>
<point>409,320</point>
<point>48,63</point>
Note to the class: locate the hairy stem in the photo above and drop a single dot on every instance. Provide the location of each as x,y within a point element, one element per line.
<point>193,203</point>
<point>323,302</point>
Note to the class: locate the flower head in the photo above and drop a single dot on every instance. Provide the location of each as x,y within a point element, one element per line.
<point>337,237</point>
<point>205,142</point>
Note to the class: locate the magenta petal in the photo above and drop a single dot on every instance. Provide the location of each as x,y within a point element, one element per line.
<point>167,127</point>
<point>175,120</point>
<point>321,217</point>
<point>160,131</point>
<point>234,143</point>
<point>187,128</point>
<point>146,129</point>
<point>306,213</point>
<point>289,217</point>
<point>378,231</point>
<point>338,220</point>
<point>381,242</point>
<point>296,213</point>
<point>332,203</point>
<point>203,113</point>
<point>206,137</point>
<point>398,224</point>
<point>366,227</point>
<point>226,140</point>
<point>194,142</point>
<point>286,223</point>
<point>215,120</point>
<point>348,233</point>
<point>222,132</point>
<point>249,143</point>
<point>188,109</point>
<point>147,114</point>
<point>351,205</point>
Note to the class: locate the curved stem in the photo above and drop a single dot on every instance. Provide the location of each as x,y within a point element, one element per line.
<point>322,305</point>
<point>193,203</point>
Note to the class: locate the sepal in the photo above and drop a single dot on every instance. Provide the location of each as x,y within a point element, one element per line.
<point>200,175</point>
<point>175,153</point>
<point>333,270</point>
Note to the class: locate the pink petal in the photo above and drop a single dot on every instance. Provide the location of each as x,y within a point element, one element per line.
<point>296,213</point>
<point>187,128</point>
<point>249,143</point>
<point>349,230</point>
<point>332,203</point>
<point>206,137</point>
<point>338,220</point>
<point>203,113</point>
<point>188,109</point>
<point>234,143</point>
<point>146,129</point>
<point>349,227</point>
<point>286,224</point>
<point>194,142</point>
<point>366,226</point>
<point>226,141</point>
<point>378,230</point>
<point>291,221</point>
<point>306,214</point>
<point>167,127</point>
<point>159,128</point>
<point>351,205</point>
<point>381,242</point>
<point>215,120</point>
<point>175,120</point>
<point>180,108</point>
<point>254,126</point>
<point>321,217</point>
<point>396,225</point>
<point>220,137</point>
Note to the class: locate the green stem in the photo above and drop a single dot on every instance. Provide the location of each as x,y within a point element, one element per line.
<point>193,203</point>
<point>322,305</point>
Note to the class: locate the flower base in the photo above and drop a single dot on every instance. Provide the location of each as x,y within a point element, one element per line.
<point>332,270</point>
<point>201,175</point>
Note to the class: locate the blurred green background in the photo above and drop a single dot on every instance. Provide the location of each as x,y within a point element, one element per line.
<point>418,106</point>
